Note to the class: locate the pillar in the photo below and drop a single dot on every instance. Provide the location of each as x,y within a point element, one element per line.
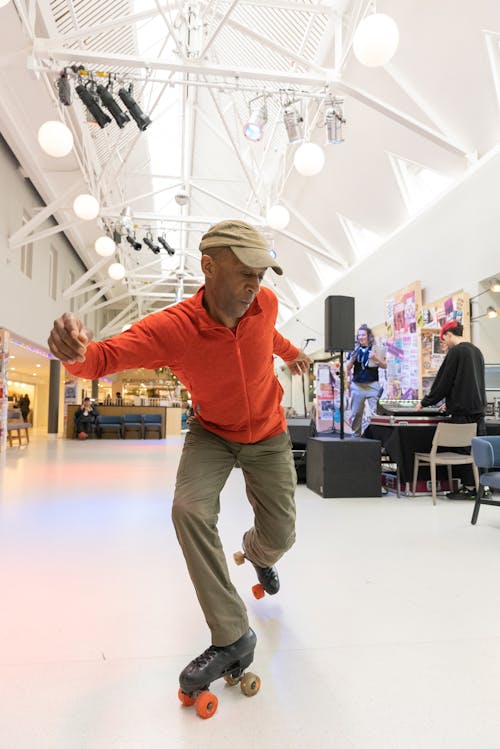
<point>54,384</point>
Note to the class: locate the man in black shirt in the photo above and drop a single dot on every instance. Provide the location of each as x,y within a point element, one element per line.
<point>460,381</point>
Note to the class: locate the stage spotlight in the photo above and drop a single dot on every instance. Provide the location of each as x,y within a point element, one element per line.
<point>293,124</point>
<point>166,245</point>
<point>142,120</point>
<point>152,246</point>
<point>334,119</point>
<point>254,127</point>
<point>91,102</point>
<point>108,100</point>
<point>64,88</point>
<point>133,242</point>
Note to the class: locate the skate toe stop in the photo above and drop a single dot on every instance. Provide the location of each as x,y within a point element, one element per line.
<point>258,591</point>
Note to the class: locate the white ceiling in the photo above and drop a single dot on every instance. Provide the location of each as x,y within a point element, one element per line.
<point>196,65</point>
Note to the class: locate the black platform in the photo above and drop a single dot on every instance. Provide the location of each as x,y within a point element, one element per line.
<point>344,468</point>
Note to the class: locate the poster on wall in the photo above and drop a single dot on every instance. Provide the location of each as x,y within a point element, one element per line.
<point>328,400</point>
<point>403,320</point>
<point>451,307</point>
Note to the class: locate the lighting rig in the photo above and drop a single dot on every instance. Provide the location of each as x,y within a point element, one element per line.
<point>97,97</point>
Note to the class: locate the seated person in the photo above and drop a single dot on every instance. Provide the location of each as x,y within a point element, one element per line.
<point>85,418</point>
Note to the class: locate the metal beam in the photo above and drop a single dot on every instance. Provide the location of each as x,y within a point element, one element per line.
<point>41,216</point>
<point>43,47</point>
<point>400,117</point>
<point>222,21</point>
<point>91,271</point>
<point>235,146</point>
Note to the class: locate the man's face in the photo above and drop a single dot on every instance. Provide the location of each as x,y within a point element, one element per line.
<point>448,341</point>
<point>86,403</point>
<point>362,338</point>
<point>233,284</point>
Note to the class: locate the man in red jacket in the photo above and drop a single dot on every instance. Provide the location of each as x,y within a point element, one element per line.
<point>220,343</point>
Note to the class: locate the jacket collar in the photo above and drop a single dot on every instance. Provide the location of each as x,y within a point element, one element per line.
<point>206,322</point>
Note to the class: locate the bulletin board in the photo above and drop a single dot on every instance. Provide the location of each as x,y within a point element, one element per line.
<point>403,319</point>
<point>434,315</point>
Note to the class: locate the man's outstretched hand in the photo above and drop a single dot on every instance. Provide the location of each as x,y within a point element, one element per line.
<point>300,365</point>
<point>69,338</point>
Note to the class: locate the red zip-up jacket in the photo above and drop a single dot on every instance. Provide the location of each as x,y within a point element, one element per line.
<point>229,374</point>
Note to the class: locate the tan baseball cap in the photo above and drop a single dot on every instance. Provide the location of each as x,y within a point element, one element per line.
<point>248,244</point>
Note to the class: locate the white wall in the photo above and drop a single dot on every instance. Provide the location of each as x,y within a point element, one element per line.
<point>453,244</point>
<point>26,307</point>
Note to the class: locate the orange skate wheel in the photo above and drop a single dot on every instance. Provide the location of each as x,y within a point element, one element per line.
<point>239,557</point>
<point>206,704</point>
<point>186,699</point>
<point>258,591</point>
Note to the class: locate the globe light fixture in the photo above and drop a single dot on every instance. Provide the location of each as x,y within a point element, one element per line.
<point>491,313</point>
<point>86,207</point>
<point>55,138</point>
<point>309,159</point>
<point>376,40</point>
<point>104,246</point>
<point>116,271</point>
<point>277,217</point>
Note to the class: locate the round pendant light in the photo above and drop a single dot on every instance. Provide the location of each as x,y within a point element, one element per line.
<point>309,159</point>
<point>86,207</point>
<point>55,138</point>
<point>104,246</point>
<point>277,217</point>
<point>116,271</point>
<point>376,40</point>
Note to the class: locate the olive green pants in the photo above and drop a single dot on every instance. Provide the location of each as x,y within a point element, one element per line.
<point>270,478</point>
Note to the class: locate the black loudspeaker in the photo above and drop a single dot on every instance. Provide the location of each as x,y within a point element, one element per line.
<point>339,323</point>
<point>344,468</point>
<point>300,431</point>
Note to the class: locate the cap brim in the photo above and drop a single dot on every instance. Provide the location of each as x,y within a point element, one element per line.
<point>256,258</point>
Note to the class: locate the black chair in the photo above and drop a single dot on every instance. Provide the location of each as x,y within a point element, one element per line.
<point>109,425</point>
<point>132,423</point>
<point>152,424</point>
<point>486,454</point>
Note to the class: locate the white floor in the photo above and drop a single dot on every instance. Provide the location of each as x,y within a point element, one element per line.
<point>385,635</point>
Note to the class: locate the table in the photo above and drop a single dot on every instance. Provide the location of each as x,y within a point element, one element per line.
<point>402,441</point>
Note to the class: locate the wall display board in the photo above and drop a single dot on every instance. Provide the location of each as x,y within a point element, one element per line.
<point>403,319</point>
<point>434,315</point>
<point>4,376</point>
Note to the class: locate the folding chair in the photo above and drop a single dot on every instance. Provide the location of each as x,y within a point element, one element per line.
<point>447,435</point>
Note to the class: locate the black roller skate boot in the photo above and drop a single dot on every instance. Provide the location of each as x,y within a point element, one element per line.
<point>230,662</point>
<point>269,581</point>
<point>268,578</point>
<point>217,661</point>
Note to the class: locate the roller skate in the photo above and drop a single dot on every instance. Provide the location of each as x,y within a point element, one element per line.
<point>215,662</point>
<point>269,581</point>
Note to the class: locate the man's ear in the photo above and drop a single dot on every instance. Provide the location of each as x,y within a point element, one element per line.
<point>208,265</point>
